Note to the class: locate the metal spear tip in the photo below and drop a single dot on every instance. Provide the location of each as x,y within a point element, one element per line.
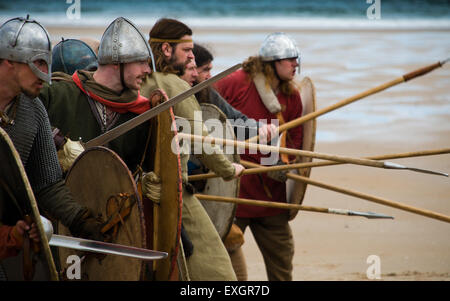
<point>371,215</point>
<point>391,165</point>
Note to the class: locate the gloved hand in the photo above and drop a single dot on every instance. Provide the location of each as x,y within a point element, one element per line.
<point>278,175</point>
<point>87,226</point>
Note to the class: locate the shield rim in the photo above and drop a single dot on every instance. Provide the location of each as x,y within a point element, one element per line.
<point>236,159</point>
<point>134,187</point>
<point>299,196</point>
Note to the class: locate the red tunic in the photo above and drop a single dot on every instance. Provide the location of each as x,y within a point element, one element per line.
<point>240,91</point>
<point>9,246</point>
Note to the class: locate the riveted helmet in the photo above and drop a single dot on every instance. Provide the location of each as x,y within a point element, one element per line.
<point>71,55</point>
<point>26,41</point>
<point>278,46</point>
<point>122,42</point>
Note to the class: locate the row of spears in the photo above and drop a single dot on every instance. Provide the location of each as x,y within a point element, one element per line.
<point>374,161</point>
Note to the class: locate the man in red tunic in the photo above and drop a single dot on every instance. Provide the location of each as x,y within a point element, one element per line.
<point>264,90</point>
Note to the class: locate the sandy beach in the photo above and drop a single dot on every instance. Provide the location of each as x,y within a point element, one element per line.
<point>410,117</point>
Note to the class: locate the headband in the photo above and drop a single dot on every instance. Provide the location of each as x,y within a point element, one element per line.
<point>170,40</point>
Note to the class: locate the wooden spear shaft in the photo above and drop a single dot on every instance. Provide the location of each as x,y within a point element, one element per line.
<point>360,195</point>
<point>283,150</point>
<point>406,77</point>
<point>381,157</point>
<point>325,163</point>
<point>296,152</point>
<point>279,205</point>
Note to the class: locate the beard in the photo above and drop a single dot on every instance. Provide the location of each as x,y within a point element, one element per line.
<point>179,68</point>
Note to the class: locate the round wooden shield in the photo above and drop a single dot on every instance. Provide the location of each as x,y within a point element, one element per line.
<point>15,188</point>
<point>296,190</point>
<point>220,213</point>
<point>100,180</point>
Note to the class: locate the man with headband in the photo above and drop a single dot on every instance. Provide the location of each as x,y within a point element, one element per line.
<point>171,43</point>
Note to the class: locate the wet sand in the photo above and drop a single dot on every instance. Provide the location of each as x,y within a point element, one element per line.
<point>409,117</point>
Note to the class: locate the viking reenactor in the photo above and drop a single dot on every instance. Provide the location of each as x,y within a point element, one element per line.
<point>190,73</point>
<point>241,124</point>
<point>264,89</point>
<point>25,64</point>
<point>203,59</point>
<point>85,104</point>
<point>172,45</point>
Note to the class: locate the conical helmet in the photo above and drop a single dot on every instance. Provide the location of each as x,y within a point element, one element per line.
<point>26,41</point>
<point>122,42</point>
<point>278,46</point>
<point>71,55</point>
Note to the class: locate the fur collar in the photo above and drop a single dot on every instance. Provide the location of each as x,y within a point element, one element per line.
<point>268,98</point>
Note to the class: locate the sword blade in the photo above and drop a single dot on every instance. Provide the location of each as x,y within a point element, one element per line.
<point>105,248</point>
<point>132,123</point>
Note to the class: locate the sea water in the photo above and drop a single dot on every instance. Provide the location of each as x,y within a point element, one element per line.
<point>344,50</point>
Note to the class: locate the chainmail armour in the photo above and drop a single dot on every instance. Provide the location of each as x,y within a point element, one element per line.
<point>32,137</point>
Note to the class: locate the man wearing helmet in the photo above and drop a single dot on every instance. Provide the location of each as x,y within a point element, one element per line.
<point>264,89</point>
<point>86,104</point>
<point>25,64</point>
<point>171,42</point>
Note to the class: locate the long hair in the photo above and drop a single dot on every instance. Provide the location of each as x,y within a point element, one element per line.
<point>170,29</point>
<point>254,65</point>
<point>202,55</point>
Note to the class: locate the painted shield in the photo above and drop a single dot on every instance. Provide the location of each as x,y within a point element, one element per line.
<point>166,214</point>
<point>295,190</point>
<point>220,213</point>
<point>15,191</point>
<point>101,181</point>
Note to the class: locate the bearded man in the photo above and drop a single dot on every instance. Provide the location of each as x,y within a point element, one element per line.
<point>171,43</point>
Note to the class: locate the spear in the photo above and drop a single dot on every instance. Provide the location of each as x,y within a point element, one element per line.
<point>296,152</point>
<point>360,195</point>
<point>323,163</point>
<point>404,78</point>
<point>215,198</point>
